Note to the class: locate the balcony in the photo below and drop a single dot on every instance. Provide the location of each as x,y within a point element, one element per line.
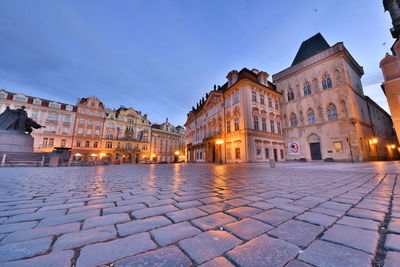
<point>212,135</point>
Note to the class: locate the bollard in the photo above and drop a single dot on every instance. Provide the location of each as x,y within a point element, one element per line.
<point>272,163</point>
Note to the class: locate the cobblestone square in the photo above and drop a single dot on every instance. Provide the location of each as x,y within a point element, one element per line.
<point>298,214</point>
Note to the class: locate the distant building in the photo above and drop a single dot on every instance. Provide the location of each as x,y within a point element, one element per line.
<point>59,119</point>
<point>126,135</point>
<point>167,143</point>
<point>237,122</point>
<point>325,112</point>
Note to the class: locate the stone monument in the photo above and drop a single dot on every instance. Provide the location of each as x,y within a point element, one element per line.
<point>15,130</point>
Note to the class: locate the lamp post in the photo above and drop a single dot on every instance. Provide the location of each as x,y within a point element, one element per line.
<point>219,142</point>
<point>177,155</point>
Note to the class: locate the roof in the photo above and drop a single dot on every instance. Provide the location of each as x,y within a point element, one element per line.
<point>311,47</point>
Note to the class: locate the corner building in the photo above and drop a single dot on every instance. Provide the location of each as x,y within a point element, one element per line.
<point>325,112</point>
<point>237,122</point>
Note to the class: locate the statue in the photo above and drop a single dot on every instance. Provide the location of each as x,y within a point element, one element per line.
<point>393,6</point>
<point>17,120</point>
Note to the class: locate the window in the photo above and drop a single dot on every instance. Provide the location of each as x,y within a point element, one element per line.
<point>307,89</point>
<point>68,108</point>
<point>267,153</point>
<point>37,102</point>
<point>237,152</point>
<point>78,143</point>
<point>290,95</point>
<point>278,126</point>
<point>2,96</point>
<point>254,96</point>
<point>128,145</point>
<point>293,120</point>
<point>90,122</point>
<point>52,117</point>
<point>262,100</point>
<point>269,102</point>
<point>51,142</point>
<point>282,156</point>
<point>67,119</point>
<point>109,144</point>
<point>332,112</point>
<point>144,147</point>
<point>65,130</point>
<point>338,146</point>
<point>326,82</point>
<point>20,99</point>
<point>311,116</point>
<point>54,105</point>
<point>45,141</point>
<point>255,119</point>
<point>258,153</point>
<point>95,144</point>
<point>63,142</point>
<point>34,114</point>
<point>91,113</point>
<point>235,98</point>
<point>87,143</point>
<point>50,129</point>
<point>228,102</point>
<point>97,132</point>
<point>80,130</point>
<point>228,126</point>
<point>236,123</point>
<point>98,124</point>
<point>88,131</point>
<point>264,124</point>
<point>276,104</point>
<point>81,121</point>
<point>82,111</point>
<point>272,126</point>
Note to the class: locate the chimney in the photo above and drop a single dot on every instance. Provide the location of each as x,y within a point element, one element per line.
<point>262,78</point>
<point>256,71</point>
<point>232,77</point>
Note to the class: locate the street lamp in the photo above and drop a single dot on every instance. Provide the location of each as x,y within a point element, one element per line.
<point>177,153</point>
<point>219,142</point>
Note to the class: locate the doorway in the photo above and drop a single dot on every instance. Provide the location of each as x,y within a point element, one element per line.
<point>315,149</point>
<point>276,154</point>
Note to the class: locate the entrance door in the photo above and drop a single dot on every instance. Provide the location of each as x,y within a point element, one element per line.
<point>276,154</point>
<point>315,149</point>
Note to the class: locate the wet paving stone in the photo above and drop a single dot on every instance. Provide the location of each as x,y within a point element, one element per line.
<point>213,221</point>
<point>248,228</point>
<point>275,216</point>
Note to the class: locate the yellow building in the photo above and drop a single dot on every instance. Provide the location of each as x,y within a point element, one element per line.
<point>237,122</point>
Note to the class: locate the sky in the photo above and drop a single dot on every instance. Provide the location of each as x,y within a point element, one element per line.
<point>162,56</point>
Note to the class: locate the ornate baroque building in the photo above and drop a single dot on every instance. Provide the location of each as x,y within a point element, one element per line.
<point>325,112</point>
<point>59,119</point>
<point>237,122</point>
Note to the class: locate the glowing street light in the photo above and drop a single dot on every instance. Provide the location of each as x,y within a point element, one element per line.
<point>78,155</point>
<point>93,155</point>
<point>219,141</point>
<point>374,140</point>
<point>393,146</point>
<point>177,153</point>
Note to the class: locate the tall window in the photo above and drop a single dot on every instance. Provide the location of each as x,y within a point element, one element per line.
<point>63,142</point>
<point>264,124</point>
<point>51,142</point>
<point>255,118</point>
<point>278,126</point>
<point>78,143</point>
<point>262,100</point>
<point>332,112</point>
<point>228,102</point>
<point>236,122</point>
<point>290,95</point>
<point>228,126</point>
<point>311,116</point>
<point>326,81</point>
<point>293,120</point>
<point>307,89</point>
<point>237,152</point>
<point>235,98</point>
<point>269,102</point>
<point>109,144</point>
<point>87,144</point>
<point>45,141</point>
<point>276,104</point>
<point>254,96</point>
<point>272,126</point>
<point>95,144</point>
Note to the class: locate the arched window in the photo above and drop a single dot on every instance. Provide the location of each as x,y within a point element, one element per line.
<point>311,116</point>
<point>326,81</point>
<point>290,94</point>
<point>307,89</point>
<point>293,120</point>
<point>332,112</point>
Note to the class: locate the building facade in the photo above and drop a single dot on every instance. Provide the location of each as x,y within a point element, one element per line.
<point>325,112</point>
<point>59,119</point>
<point>237,122</point>
<point>167,143</point>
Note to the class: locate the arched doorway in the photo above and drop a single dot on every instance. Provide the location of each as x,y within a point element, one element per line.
<point>315,147</point>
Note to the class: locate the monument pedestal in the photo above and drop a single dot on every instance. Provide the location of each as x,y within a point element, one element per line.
<point>13,141</point>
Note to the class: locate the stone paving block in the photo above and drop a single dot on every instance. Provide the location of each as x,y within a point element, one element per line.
<point>188,204</point>
<point>243,212</point>
<point>374,207</point>
<point>148,212</point>
<point>278,200</point>
<point>304,203</point>
<point>317,218</point>
<point>394,226</point>
<point>252,198</point>
<point>356,238</point>
<point>105,220</point>
<point>367,214</point>
<point>175,232</point>
<point>216,207</point>
<point>297,263</point>
<point>335,206</point>
<point>40,232</point>
<point>248,228</point>
<point>392,259</point>
<point>217,262</point>
<point>392,242</point>
<point>360,223</point>
<point>12,227</point>
<point>90,207</point>
<point>24,249</point>
<point>59,259</point>
<point>138,226</point>
<point>80,238</point>
<point>186,214</point>
<point>107,252</point>
<point>326,254</point>
<point>75,217</point>
<point>208,245</point>
<point>263,205</point>
<point>263,251</point>
<point>293,208</point>
<point>160,202</point>
<point>274,216</point>
<point>237,202</point>
<point>164,257</point>
<point>104,200</point>
<point>62,206</point>
<point>330,212</point>
<point>209,200</point>
<point>126,208</point>
<point>16,212</point>
<point>35,216</point>
<point>213,221</point>
<point>297,232</point>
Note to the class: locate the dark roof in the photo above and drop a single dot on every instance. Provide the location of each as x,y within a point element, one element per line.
<point>311,47</point>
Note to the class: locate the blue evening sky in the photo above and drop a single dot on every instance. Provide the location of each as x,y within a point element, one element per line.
<point>162,56</point>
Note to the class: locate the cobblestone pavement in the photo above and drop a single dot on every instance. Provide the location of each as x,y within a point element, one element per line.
<point>298,214</point>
